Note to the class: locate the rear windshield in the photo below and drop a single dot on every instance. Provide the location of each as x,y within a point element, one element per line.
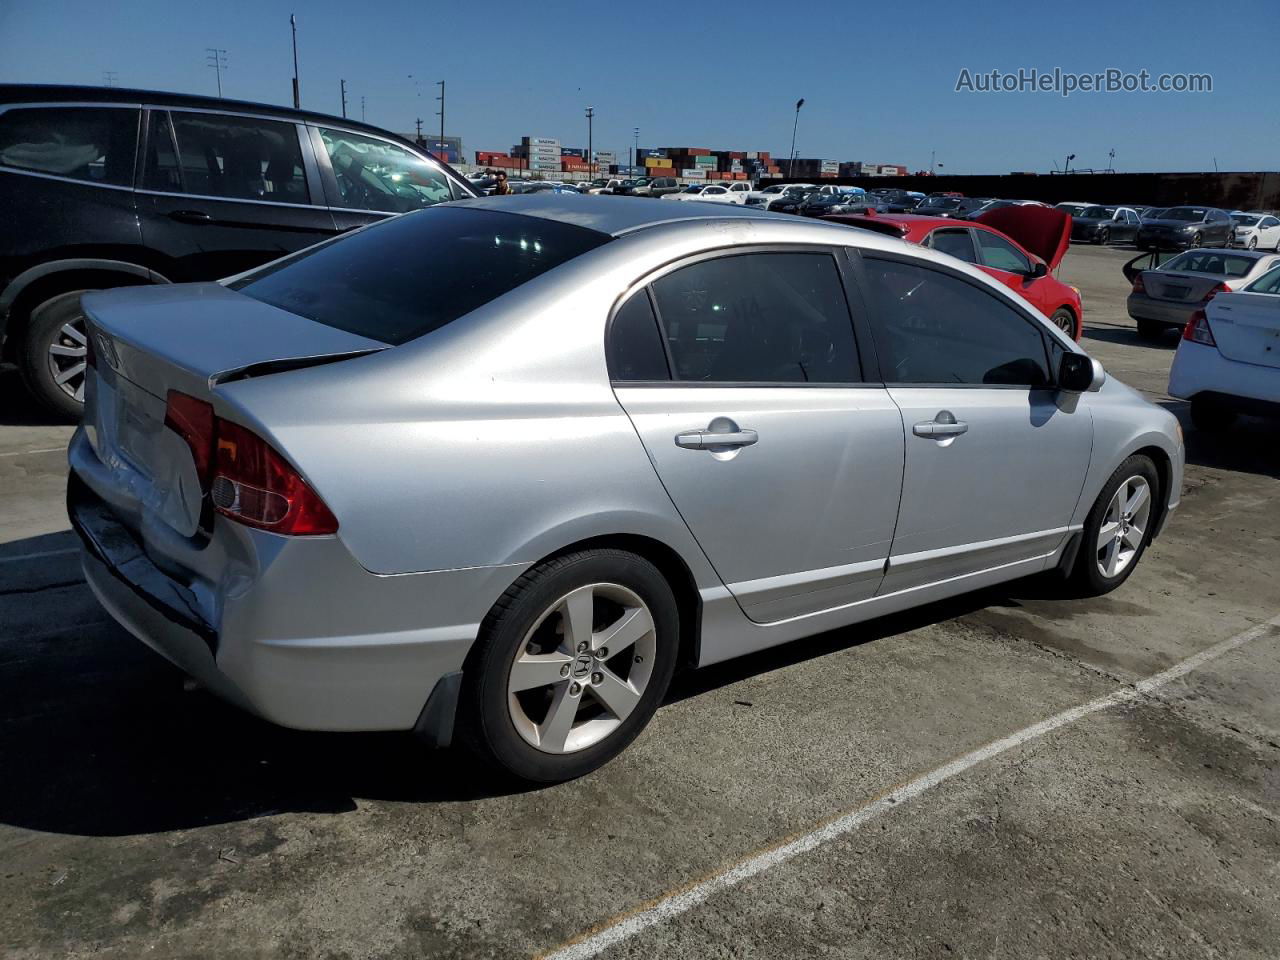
<point>1214,262</point>
<point>407,276</point>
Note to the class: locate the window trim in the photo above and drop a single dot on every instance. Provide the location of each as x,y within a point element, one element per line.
<point>1038,323</point>
<point>634,291</point>
<point>78,104</point>
<point>647,280</point>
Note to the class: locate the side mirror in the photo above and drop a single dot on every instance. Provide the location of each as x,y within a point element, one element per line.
<point>1078,373</point>
<point>1038,270</point>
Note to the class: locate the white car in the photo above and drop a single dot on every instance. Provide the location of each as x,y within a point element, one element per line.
<point>763,199</point>
<point>1256,231</point>
<point>688,193</point>
<point>734,192</point>
<point>1228,360</point>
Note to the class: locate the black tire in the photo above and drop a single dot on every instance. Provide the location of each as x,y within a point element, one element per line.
<point>1065,321</point>
<point>44,329</point>
<point>1086,578</point>
<point>1151,329</point>
<point>1210,416</point>
<point>485,725</point>
<point>1104,237</point>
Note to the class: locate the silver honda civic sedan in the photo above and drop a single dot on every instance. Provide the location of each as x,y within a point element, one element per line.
<point>495,470</point>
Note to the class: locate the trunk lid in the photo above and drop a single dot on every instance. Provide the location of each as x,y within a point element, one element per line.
<point>1246,327</point>
<point>147,341</point>
<point>1179,287</point>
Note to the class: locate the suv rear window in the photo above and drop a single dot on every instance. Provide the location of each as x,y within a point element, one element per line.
<point>96,144</point>
<point>402,278</point>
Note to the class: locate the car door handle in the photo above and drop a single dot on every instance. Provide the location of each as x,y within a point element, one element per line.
<point>705,439</point>
<point>940,429</point>
<point>190,216</point>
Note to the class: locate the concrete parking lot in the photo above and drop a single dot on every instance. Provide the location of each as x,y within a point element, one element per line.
<point>821,799</point>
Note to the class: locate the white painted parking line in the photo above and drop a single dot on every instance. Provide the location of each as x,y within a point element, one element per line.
<point>24,453</point>
<point>596,941</point>
<point>40,556</point>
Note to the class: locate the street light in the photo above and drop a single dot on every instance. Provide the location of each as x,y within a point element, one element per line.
<point>791,157</point>
<point>1066,167</point>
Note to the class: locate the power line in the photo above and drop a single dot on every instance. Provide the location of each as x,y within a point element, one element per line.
<point>109,78</point>
<point>216,58</point>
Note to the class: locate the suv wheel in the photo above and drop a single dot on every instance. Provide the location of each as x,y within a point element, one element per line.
<point>54,354</point>
<point>570,664</point>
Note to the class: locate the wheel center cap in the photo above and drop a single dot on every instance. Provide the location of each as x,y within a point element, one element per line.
<point>582,666</point>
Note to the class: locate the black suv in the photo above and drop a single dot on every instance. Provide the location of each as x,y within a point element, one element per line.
<point>112,187</point>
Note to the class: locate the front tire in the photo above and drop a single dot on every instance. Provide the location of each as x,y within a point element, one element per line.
<point>1118,527</point>
<point>1197,240</point>
<point>1065,321</point>
<point>53,355</point>
<point>570,665</point>
<point>1104,237</point>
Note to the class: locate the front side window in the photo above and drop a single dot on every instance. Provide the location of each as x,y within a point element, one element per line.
<point>375,174</point>
<point>758,318</point>
<point>999,254</point>
<point>406,276</point>
<point>1269,282</point>
<point>239,158</point>
<point>933,327</point>
<point>95,144</point>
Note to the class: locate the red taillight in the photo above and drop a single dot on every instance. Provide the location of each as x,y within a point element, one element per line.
<point>1220,288</point>
<point>245,478</point>
<point>192,420</point>
<point>1197,330</point>
<point>1139,285</point>
<point>254,485</point>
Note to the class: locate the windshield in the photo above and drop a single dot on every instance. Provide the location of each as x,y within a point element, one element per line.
<point>694,189</point>
<point>404,277</point>
<point>942,203</point>
<point>1184,213</point>
<point>1212,262</point>
<point>1269,282</point>
<point>1245,220</point>
<point>1098,213</point>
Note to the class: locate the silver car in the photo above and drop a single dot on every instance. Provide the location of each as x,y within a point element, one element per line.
<point>1164,297</point>
<point>499,468</point>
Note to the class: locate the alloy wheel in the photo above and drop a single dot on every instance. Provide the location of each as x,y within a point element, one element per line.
<point>1123,527</point>
<point>582,668</point>
<point>1196,240</point>
<point>68,358</point>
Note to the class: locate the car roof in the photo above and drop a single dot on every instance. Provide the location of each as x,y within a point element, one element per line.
<point>616,215</point>
<point>53,93</point>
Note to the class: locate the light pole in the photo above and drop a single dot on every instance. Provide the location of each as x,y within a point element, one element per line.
<point>635,153</point>
<point>591,154</point>
<point>791,157</point>
<point>1066,167</point>
<point>297,93</point>
<point>440,145</point>
<point>1111,160</point>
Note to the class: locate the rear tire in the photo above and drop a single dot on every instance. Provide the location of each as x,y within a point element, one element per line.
<point>1151,330</point>
<point>1118,528</point>
<point>515,729</point>
<point>53,350</point>
<point>1210,416</point>
<point>1197,240</point>
<point>1104,237</point>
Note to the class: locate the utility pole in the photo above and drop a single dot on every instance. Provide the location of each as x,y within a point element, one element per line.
<point>109,78</point>
<point>297,92</point>
<point>591,154</point>
<point>791,157</point>
<point>1111,160</point>
<point>635,154</point>
<point>342,85</point>
<point>362,108</point>
<point>419,140</point>
<point>440,145</point>
<point>217,58</point>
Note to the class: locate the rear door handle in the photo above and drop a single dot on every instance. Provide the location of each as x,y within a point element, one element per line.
<point>705,439</point>
<point>190,216</point>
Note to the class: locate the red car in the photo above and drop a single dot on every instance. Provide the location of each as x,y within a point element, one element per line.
<point>1020,246</point>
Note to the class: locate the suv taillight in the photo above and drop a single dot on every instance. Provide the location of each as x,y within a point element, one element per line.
<point>1197,330</point>
<point>245,478</point>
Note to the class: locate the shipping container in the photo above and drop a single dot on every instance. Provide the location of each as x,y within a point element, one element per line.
<point>693,173</point>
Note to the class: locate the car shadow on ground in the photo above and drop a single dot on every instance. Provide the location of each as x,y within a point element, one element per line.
<point>1250,445</point>
<point>18,408</point>
<point>1128,336</point>
<point>99,737</point>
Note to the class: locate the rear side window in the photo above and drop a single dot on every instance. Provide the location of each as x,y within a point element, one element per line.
<point>239,158</point>
<point>932,327</point>
<point>96,144</point>
<point>404,277</point>
<point>634,346</point>
<point>1212,262</point>
<point>958,243</point>
<point>375,174</point>
<point>999,254</point>
<point>759,318</point>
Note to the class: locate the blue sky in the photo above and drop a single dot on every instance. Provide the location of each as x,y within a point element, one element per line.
<point>878,79</point>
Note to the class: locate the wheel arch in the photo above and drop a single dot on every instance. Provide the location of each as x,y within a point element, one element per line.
<point>1164,471</point>
<point>35,285</point>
